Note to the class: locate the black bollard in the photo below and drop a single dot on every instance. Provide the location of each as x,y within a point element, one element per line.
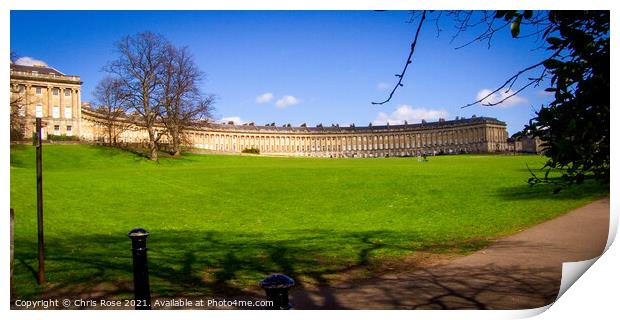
<point>276,288</point>
<point>142,288</point>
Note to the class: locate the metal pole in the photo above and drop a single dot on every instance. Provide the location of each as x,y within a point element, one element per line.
<point>41,250</point>
<point>142,288</point>
<point>12,223</point>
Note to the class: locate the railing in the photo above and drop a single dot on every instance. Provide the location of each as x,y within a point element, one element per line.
<point>44,76</point>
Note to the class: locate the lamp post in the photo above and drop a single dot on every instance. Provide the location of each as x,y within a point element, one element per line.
<point>41,241</point>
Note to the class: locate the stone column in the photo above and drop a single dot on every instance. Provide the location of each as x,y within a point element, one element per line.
<point>61,107</point>
<point>77,116</point>
<point>49,102</point>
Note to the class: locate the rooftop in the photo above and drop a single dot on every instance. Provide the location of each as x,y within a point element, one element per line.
<point>353,128</point>
<point>38,72</point>
<point>36,69</point>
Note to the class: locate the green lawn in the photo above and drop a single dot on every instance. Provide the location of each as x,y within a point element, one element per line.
<point>219,223</point>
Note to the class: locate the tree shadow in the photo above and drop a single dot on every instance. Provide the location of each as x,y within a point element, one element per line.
<point>469,283</point>
<point>588,190</point>
<point>18,161</point>
<point>230,265</point>
<point>450,288</point>
<point>197,264</point>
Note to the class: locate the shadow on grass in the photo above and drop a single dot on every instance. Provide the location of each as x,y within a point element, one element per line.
<point>207,263</point>
<point>589,189</point>
<point>16,161</point>
<point>220,264</point>
<point>138,154</point>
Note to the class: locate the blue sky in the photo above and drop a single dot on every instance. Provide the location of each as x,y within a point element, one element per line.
<point>300,66</point>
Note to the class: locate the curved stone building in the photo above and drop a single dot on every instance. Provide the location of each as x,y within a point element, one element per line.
<point>55,97</point>
<point>472,135</point>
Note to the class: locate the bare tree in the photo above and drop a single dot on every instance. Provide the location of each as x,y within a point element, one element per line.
<point>183,103</point>
<point>139,68</point>
<point>111,103</point>
<point>17,105</point>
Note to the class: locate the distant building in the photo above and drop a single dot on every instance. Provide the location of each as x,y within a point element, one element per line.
<point>525,144</point>
<point>530,144</point>
<point>474,135</point>
<point>49,94</point>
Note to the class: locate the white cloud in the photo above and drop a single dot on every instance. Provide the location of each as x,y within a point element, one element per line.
<point>543,93</point>
<point>235,119</point>
<point>287,101</point>
<point>499,96</point>
<point>264,98</point>
<point>411,115</point>
<point>382,86</point>
<point>29,61</point>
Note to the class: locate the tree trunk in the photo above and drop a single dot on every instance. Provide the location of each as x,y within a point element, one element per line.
<point>152,144</point>
<point>174,133</point>
<point>110,135</point>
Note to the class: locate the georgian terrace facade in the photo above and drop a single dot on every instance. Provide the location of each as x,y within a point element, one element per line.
<point>44,92</point>
<point>470,135</point>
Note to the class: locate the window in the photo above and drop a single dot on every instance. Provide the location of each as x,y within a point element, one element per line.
<point>67,92</point>
<point>56,112</point>
<point>37,91</point>
<point>21,88</point>
<point>55,91</point>
<point>67,112</point>
<point>56,129</point>
<point>39,111</point>
<point>69,130</point>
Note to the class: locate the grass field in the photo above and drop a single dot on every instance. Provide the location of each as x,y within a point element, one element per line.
<point>221,223</point>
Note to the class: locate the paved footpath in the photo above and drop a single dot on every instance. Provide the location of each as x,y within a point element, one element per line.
<point>517,272</point>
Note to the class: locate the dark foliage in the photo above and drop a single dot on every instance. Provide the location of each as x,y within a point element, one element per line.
<point>62,137</point>
<point>574,127</point>
<point>251,150</point>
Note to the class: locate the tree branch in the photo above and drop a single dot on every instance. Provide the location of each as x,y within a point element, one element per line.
<point>511,81</point>
<point>407,63</point>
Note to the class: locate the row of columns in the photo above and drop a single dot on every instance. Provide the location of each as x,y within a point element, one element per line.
<point>295,143</point>
<point>74,102</point>
<point>476,138</point>
<point>46,102</point>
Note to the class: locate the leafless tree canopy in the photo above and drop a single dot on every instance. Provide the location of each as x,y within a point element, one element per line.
<point>160,83</point>
<point>484,25</point>
<point>487,24</point>
<point>183,103</point>
<point>110,97</point>
<point>17,103</point>
<point>138,68</point>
